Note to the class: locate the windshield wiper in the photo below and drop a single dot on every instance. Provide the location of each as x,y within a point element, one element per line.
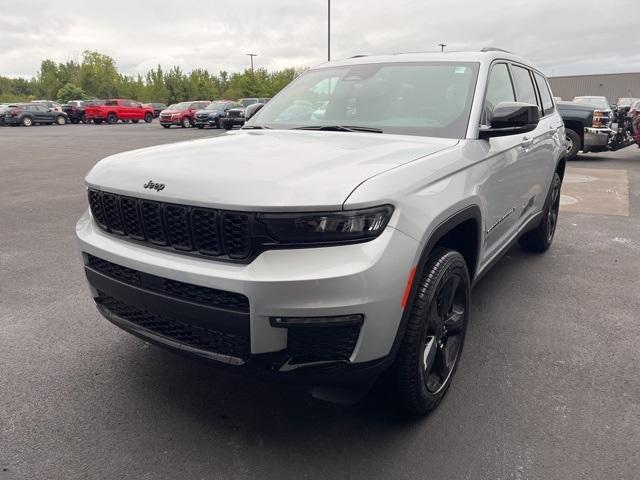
<point>339,128</point>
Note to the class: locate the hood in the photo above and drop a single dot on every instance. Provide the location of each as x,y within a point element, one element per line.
<point>209,112</point>
<point>165,111</point>
<point>263,170</point>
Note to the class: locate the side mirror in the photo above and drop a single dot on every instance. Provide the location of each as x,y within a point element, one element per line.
<point>251,110</point>
<point>511,118</point>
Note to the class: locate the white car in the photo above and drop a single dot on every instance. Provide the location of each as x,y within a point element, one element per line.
<point>325,250</point>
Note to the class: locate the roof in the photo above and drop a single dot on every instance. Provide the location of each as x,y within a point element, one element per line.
<point>447,56</point>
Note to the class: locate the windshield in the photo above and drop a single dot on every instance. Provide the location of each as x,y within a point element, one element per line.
<point>596,102</point>
<point>426,98</point>
<point>180,106</point>
<point>625,102</point>
<point>216,106</point>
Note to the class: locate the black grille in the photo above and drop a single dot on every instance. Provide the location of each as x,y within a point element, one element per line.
<point>234,114</point>
<point>173,288</point>
<point>320,344</point>
<point>202,231</point>
<point>186,333</point>
<point>125,274</point>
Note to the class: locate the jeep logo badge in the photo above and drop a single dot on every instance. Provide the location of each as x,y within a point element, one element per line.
<point>154,186</point>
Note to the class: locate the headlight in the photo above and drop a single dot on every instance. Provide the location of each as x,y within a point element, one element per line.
<point>326,227</point>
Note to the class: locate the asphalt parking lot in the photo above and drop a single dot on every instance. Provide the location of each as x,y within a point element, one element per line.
<point>548,386</point>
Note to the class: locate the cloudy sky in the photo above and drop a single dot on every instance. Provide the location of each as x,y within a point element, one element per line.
<point>561,36</point>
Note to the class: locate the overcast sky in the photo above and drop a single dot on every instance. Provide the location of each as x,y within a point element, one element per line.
<point>561,36</point>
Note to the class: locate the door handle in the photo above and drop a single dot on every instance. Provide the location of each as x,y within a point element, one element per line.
<point>526,142</point>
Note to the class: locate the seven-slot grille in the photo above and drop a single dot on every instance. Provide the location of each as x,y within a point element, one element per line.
<point>204,231</point>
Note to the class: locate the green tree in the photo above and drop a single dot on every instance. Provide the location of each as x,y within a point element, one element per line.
<point>98,75</point>
<point>70,91</point>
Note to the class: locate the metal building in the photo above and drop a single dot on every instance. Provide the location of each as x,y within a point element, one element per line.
<point>611,85</point>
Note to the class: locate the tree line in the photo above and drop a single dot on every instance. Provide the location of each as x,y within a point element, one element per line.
<point>95,75</point>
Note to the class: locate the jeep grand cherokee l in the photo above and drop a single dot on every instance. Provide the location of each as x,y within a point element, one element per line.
<point>329,249</point>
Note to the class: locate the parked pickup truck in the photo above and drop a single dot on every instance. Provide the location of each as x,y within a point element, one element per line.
<point>587,128</point>
<point>118,109</point>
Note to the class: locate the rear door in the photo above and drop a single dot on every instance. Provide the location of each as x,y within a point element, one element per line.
<point>41,113</point>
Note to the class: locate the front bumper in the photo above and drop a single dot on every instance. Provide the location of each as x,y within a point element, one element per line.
<point>233,121</point>
<point>367,279</point>
<point>211,122</point>
<point>596,137</point>
<point>170,121</point>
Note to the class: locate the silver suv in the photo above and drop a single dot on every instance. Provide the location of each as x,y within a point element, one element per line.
<point>339,233</point>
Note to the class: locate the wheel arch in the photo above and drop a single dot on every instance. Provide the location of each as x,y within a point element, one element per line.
<point>578,127</point>
<point>466,221</point>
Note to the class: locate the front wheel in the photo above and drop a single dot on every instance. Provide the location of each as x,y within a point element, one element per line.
<point>540,239</point>
<point>148,117</point>
<point>112,119</point>
<point>27,121</point>
<point>97,121</point>
<point>200,126</point>
<point>573,143</point>
<point>166,126</point>
<point>434,336</point>
<point>186,122</point>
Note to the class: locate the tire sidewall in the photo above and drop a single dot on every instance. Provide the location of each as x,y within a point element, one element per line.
<point>112,119</point>
<point>441,265</point>
<point>27,122</point>
<point>575,138</point>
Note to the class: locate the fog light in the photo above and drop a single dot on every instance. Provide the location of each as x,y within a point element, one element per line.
<point>337,321</point>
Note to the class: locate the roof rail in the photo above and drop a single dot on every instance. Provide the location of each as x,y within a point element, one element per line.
<point>494,49</point>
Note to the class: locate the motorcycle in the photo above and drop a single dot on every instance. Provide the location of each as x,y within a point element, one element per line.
<point>623,127</point>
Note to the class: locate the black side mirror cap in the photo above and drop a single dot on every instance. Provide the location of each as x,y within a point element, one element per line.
<point>511,118</point>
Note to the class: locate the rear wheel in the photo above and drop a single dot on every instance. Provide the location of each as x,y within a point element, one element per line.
<point>540,239</point>
<point>111,119</point>
<point>573,143</point>
<point>432,344</point>
<point>186,122</point>
<point>148,117</point>
<point>61,120</point>
<point>27,121</point>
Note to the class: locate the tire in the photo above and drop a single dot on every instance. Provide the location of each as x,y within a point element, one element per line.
<point>148,117</point>
<point>573,143</point>
<point>27,122</point>
<point>166,126</point>
<point>186,122</point>
<point>540,239</point>
<point>74,121</point>
<point>219,123</point>
<point>421,373</point>
<point>97,121</point>
<point>84,119</point>
<point>227,126</point>
<point>200,127</point>
<point>135,121</point>
<point>112,119</point>
<point>61,120</point>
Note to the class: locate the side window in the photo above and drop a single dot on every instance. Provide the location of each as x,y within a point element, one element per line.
<point>545,94</point>
<point>499,90</point>
<point>524,86</point>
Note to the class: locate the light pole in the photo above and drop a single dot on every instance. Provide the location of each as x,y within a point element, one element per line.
<point>253,77</point>
<point>328,30</point>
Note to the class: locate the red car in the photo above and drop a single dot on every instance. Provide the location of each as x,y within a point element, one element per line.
<point>118,109</point>
<point>182,113</point>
